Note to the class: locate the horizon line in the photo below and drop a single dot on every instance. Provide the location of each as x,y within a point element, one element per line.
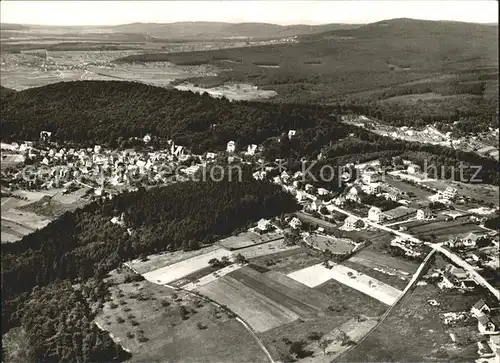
<point>247,22</point>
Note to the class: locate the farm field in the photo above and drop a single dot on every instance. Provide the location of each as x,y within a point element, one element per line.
<point>319,274</point>
<point>413,331</point>
<point>295,296</point>
<point>267,299</point>
<point>349,307</point>
<point>247,239</point>
<point>176,271</point>
<point>265,249</point>
<point>420,193</point>
<point>207,278</point>
<point>58,204</point>
<point>383,260</point>
<point>390,277</point>
<point>158,324</point>
<point>16,224</point>
<point>288,261</point>
<point>351,302</point>
<point>444,230</point>
<point>260,312</point>
<point>159,260</point>
<point>336,245</point>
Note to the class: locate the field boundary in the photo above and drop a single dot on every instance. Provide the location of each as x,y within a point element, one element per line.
<point>408,287</point>
<point>255,244</point>
<point>238,318</point>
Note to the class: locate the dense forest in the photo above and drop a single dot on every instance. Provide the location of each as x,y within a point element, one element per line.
<point>58,326</point>
<point>101,112</point>
<point>84,244</point>
<point>93,112</point>
<point>334,64</point>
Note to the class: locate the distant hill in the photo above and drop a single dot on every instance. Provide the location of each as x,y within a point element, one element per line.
<point>4,91</point>
<point>180,30</point>
<point>217,30</point>
<point>405,28</point>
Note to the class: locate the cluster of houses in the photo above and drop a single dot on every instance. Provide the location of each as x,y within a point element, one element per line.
<point>98,167</point>
<point>409,247</point>
<point>488,326</point>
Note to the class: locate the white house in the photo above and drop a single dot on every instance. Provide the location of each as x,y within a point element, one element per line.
<point>413,169</point>
<point>470,240</point>
<point>353,223</point>
<point>339,201</point>
<point>480,308</point>
<point>263,225</point>
<point>251,149</point>
<point>259,175</point>
<point>295,223</point>
<point>322,191</point>
<point>147,138</point>
<point>354,194</point>
<point>231,147</point>
<point>424,214</point>
<point>291,133</point>
<point>316,205</point>
<point>375,215</point>
<point>485,325</point>
<point>370,177</point>
<point>309,188</point>
<point>372,188</point>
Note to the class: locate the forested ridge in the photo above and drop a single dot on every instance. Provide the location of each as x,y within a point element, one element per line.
<point>85,245</point>
<point>91,112</point>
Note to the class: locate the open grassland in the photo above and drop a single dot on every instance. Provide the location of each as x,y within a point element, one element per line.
<point>443,230</point>
<point>16,223</point>
<point>319,274</point>
<point>336,245</point>
<point>265,249</point>
<point>288,261</point>
<point>411,190</point>
<point>351,302</point>
<point>413,331</point>
<point>372,258</point>
<point>296,297</point>
<point>485,192</point>
<point>247,239</point>
<point>159,324</point>
<point>176,271</point>
<point>256,309</point>
<point>160,260</point>
<point>392,278</point>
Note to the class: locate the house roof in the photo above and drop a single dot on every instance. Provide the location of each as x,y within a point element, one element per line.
<point>351,219</point>
<point>479,304</point>
<point>472,237</point>
<point>483,319</point>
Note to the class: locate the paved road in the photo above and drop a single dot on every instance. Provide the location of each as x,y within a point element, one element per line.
<point>453,257</point>
<point>460,262</point>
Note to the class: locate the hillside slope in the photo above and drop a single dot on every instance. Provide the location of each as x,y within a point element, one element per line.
<point>102,111</point>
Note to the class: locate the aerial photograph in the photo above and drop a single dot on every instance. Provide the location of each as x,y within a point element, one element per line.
<point>250,181</point>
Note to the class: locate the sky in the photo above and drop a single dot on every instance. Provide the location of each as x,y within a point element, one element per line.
<point>278,12</point>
